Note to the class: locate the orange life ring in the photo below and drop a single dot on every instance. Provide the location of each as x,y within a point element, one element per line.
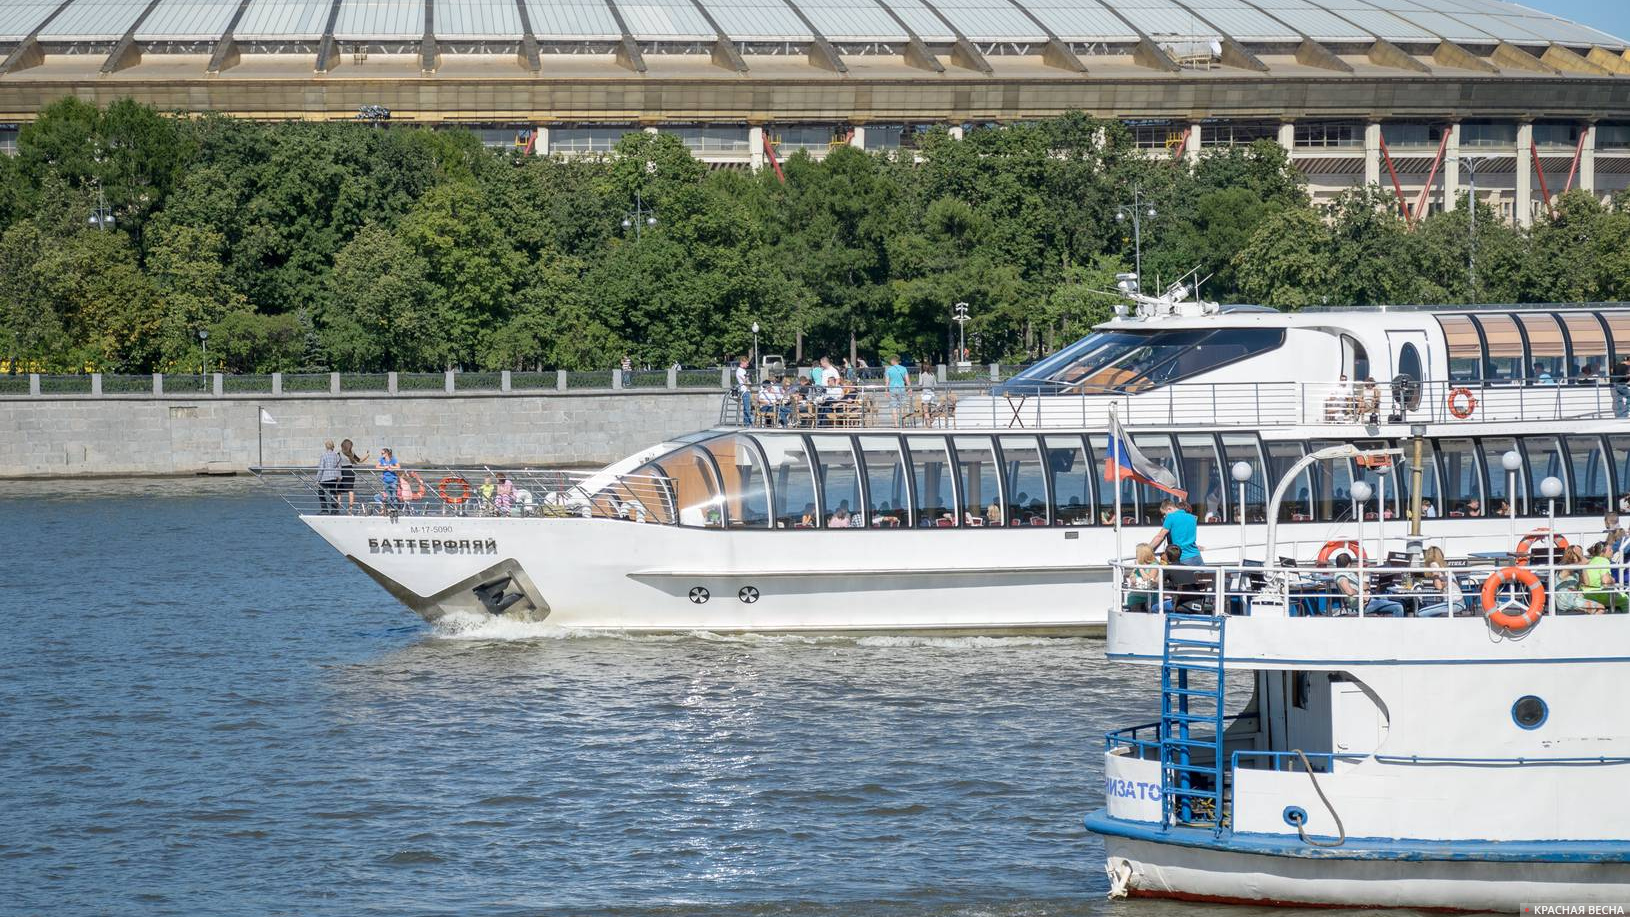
<point>410,486</point>
<point>461,487</point>
<point>1533,538</point>
<point>1332,548</point>
<point>1459,410</point>
<point>1530,613</point>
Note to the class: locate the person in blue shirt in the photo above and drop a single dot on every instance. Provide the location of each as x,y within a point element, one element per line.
<point>1180,528</point>
<point>388,465</point>
<point>899,379</point>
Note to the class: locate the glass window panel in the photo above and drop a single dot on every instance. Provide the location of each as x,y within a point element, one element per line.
<point>1620,447</point>
<point>1589,487</point>
<point>90,20</point>
<point>1332,486</point>
<point>693,485</point>
<point>1494,448</point>
<point>1297,505</point>
<point>1135,361</point>
<point>1383,484</point>
<point>19,17</point>
<point>979,492</point>
<point>1545,460</point>
<point>931,474</point>
<point>1244,447</point>
<point>746,491</point>
<point>1465,348</point>
<point>1203,477</point>
<point>1404,481</point>
<point>887,482</point>
<point>1505,350</point>
<point>1547,353</point>
<point>1071,473</point>
<point>367,19</point>
<point>791,480</point>
<point>1026,489</point>
<point>1618,323</point>
<point>1462,480</point>
<point>566,19</point>
<point>1156,448</point>
<point>1589,345</point>
<point>840,482</point>
<point>274,19</point>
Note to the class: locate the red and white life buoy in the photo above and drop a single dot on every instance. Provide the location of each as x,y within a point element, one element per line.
<point>1334,548</point>
<point>1535,537</point>
<point>1462,403</point>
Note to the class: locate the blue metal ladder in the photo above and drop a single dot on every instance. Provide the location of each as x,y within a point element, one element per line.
<point>1191,695</point>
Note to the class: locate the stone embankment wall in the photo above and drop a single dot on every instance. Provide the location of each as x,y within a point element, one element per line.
<point>150,435</point>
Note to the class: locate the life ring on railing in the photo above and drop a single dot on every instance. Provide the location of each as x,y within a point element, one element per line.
<point>410,486</point>
<point>1462,403</point>
<point>1536,536</point>
<point>1332,548</point>
<point>460,487</point>
<point>1497,614</point>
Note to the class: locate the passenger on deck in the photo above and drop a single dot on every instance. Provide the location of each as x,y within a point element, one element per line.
<point>328,479</point>
<point>1347,582</point>
<point>1570,594</point>
<point>993,514</point>
<point>839,520</point>
<point>1179,526</point>
<point>1599,582</point>
<point>388,466</point>
<point>504,496</point>
<point>1474,508</point>
<point>808,520</point>
<point>1143,583</point>
<point>1444,587</point>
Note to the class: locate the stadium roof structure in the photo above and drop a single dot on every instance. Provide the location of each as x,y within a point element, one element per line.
<point>757,60</point>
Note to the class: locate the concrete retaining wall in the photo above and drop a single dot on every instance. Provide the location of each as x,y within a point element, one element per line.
<point>84,435</point>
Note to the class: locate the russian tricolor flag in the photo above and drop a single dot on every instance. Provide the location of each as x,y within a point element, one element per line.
<point>1124,461</point>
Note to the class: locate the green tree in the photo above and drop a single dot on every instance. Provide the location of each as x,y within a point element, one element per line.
<point>380,312</point>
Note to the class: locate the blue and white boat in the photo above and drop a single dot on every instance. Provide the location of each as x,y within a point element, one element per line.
<point>1310,751</point>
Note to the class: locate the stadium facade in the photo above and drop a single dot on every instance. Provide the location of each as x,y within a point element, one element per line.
<point>1413,95</point>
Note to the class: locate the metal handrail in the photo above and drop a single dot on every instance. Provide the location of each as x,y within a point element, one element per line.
<point>454,491</point>
<point>1285,761</point>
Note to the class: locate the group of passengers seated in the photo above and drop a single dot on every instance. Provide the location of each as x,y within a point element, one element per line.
<point>840,403</point>
<point>1349,404</point>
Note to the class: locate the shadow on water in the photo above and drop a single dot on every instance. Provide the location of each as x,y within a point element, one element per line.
<point>204,709</point>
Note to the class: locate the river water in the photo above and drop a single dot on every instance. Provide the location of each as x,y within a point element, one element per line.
<point>204,709</point>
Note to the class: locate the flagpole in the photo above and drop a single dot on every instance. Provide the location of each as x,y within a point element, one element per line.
<point>260,449</point>
<point>1114,424</point>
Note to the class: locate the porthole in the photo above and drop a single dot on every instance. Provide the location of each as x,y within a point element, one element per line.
<point>1529,712</point>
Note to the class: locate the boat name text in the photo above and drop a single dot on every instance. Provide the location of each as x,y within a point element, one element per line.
<point>1131,789</point>
<point>432,546</point>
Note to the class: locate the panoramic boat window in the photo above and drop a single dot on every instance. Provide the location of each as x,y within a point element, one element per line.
<point>1589,344</point>
<point>1590,486</point>
<point>1619,448</point>
<point>1203,476</point>
<point>1504,361</point>
<point>1138,360</point>
<point>1157,448</point>
<point>1545,460</point>
<point>887,483</point>
<point>1297,504</point>
<point>1380,484</point>
<point>1547,351</point>
<point>1332,486</point>
<point>791,479</point>
<point>1618,325</point>
<point>1244,447</point>
<point>1071,472</point>
<point>695,489</point>
<point>979,491</point>
<point>841,505</point>
<point>1495,481</point>
<point>931,471</point>
<point>1462,479</point>
<point>1465,348</point>
<point>1404,480</point>
<point>746,488</point>
<point>1026,489</point>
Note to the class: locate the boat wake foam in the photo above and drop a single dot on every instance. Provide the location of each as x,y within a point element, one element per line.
<point>487,628</point>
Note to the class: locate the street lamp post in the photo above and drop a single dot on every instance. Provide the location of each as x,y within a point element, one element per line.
<point>640,217</point>
<point>203,341</point>
<point>1241,473</point>
<point>1138,212</point>
<point>1472,164</point>
<point>1361,494</point>
<point>960,316</point>
<point>1550,489</point>
<point>1512,463</point>
<point>102,216</point>
<point>757,375</point>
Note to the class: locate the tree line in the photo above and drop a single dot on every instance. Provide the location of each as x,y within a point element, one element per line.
<point>350,247</point>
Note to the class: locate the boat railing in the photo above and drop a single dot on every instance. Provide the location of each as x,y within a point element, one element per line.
<point>1324,762</point>
<point>1014,404</point>
<point>473,492</point>
<point>1370,589</point>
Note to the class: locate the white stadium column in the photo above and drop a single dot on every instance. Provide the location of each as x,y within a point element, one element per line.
<point>1451,168</point>
<point>956,132</point>
<point>858,138</point>
<point>1587,160</point>
<point>540,141</point>
<point>1287,136</point>
<point>1525,174</point>
<point>1191,149</point>
<point>755,145</point>
<point>1372,153</point>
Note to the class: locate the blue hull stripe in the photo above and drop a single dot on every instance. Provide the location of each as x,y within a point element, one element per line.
<point>1365,848</point>
<point>1352,663</point>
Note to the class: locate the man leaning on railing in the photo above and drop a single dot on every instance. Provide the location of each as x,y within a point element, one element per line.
<point>328,480</point>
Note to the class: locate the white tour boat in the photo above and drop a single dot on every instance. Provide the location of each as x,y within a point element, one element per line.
<point>996,519</point>
<point>1316,749</point>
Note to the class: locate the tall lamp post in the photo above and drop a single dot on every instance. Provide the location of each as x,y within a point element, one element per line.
<point>102,216</point>
<point>960,316</point>
<point>1241,472</point>
<point>203,341</point>
<point>1550,489</point>
<point>1136,212</point>
<point>1512,463</point>
<point>1362,491</point>
<point>757,375</point>
<point>640,217</point>
<point>1472,164</point>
